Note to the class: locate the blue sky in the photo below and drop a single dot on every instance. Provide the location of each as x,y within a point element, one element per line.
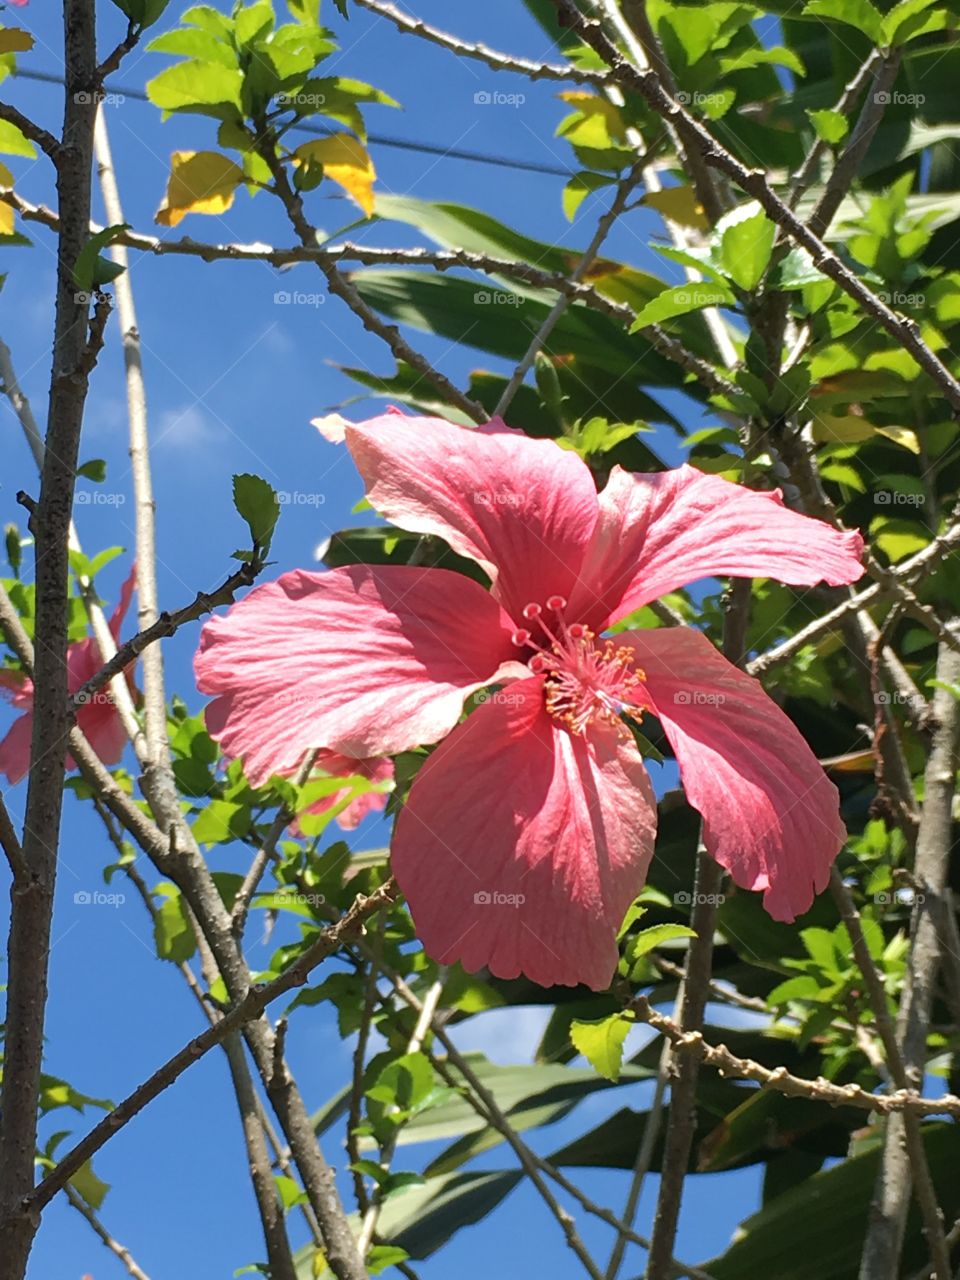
<point>232,380</point>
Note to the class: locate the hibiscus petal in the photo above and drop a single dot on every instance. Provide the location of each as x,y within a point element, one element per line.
<point>656,533</point>
<point>770,814</point>
<point>377,769</point>
<point>523,509</point>
<point>366,661</point>
<point>15,749</point>
<point>520,846</point>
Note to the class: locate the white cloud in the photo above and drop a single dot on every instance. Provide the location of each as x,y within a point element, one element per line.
<point>187,427</point>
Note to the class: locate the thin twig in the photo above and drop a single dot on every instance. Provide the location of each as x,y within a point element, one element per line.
<point>116,1248</point>
<point>10,843</point>
<point>587,258</point>
<point>495,60</point>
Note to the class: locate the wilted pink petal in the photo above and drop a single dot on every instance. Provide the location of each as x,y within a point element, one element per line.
<point>770,814</point>
<point>658,532</point>
<point>521,846</point>
<point>15,746</point>
<point>337,766</point>
<point>98,718</point>
<point>333,427</point>
<point>365,661</point>
<point>524,509</point>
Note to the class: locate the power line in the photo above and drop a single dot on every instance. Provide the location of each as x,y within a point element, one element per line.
<point>379,139</point>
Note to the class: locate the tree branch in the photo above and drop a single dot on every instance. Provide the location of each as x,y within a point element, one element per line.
<point>252,1005</point>
<point>754,183</point>
<point>888,1212</point>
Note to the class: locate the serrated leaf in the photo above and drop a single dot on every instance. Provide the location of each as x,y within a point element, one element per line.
<point>257,503</point>
<point>13,142</point>
<point>601,1042</point>
<point>205,88</point>
<point>855,13</point>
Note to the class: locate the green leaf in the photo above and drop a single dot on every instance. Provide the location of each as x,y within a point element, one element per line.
<point>90,270</point>
<point>382,1256</point>
<point>258,504</point>
<point>579,187</point>
<point>172,932</point>
<point>746,243</point>
<point>831,126</point>
<point>89,1186</point>
<point>403,1083</point>
<point>144,13</point>
<point>647,939</point>
<point>221,821</point>
<point>95,469</point>
<point>205,88</point>
<point>680,300</point>
<point>11,537</point>
<point>13,143</point>
<point>601,1043</point>
<point>855,13</point>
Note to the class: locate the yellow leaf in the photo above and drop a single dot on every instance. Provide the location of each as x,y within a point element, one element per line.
<point>199,182</point>
<point>851,428</point>
<point>6,210</point>
<point>15,40</point>
<point>902,436</point>
<point>346,162</point>
<point>679,205</point>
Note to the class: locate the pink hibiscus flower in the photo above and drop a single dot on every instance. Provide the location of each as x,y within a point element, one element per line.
<point>529,830</point>
<point>337,766</point>
<point>98,718</point>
